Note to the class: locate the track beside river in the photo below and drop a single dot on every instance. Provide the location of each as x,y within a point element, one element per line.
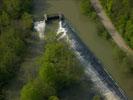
<point>110,27</point>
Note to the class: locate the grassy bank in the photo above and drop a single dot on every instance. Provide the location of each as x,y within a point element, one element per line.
<point>121,14</point>
<point>88,10</point>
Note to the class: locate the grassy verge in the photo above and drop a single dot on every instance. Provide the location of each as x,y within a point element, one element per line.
<point>87,9</point>
<point>120,12</point>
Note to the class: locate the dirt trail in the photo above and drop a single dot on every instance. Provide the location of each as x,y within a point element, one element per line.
<point>110,27</point>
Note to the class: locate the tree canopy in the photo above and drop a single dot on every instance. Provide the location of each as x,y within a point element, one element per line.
<point>121,13</point>
<point>15,25</point>
<point>59,69</point>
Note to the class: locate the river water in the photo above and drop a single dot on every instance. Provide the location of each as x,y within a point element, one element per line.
<point>87,30</point>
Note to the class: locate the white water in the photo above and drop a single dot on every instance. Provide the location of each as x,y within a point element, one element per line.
<point>40,28</point>
<point>62,31</point>
<point>90,71</point>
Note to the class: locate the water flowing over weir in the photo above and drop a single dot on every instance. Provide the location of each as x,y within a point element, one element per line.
<point>93,68</point>
<point>40,28</point>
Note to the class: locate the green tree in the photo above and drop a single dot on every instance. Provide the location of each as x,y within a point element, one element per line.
<point>13,7</point>
<point>97,97</point>
<point>53,98</point>
<point>37,90</point>
<point>4,19</point>
<point>26,21</point>
<point>87,9</point>
<point>59,66</point>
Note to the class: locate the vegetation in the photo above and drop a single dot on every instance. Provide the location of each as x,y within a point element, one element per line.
<point>88,10</point>
<point>59,69</point>
<point>121,13</point>
<point>126,61</point>
<point>115,9</point>
<point>97,97</point>
<point>15,26</point>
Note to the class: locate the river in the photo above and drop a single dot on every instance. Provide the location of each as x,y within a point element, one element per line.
<point>87,30</point>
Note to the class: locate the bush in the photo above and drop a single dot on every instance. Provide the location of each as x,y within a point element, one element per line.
<point>53,98</point>
<point>97,97</point>
<point>87,9</point>
<point>59,66</point>
<point>37,90</point>
<point>121,14</point>
<point>59,69</point>
<point>26,21</point>
<point>125,60</point>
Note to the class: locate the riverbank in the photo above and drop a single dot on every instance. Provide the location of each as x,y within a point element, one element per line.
<point>110,27</point>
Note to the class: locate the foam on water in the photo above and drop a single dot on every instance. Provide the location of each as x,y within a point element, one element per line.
<point>65,32</point>
<point>61,30</point>
<point>40,28</point>
<point>89,70</point>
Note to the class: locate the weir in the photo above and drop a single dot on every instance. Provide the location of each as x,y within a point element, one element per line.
<point>53,17</point>
<point>93,67</point>
<point>99,76</point>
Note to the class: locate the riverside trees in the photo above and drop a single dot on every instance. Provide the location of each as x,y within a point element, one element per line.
<point>59,69</point>
<point>121,13</point>
<point>13,32</point>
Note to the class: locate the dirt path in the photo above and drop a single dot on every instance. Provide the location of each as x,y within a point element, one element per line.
<point>110,27</point>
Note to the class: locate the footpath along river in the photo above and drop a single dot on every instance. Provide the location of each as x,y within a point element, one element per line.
<point>87,30</point>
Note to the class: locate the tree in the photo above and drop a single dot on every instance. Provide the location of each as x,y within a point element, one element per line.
<point>27,5</point>
<point>97,97</point>
<point>53,98</point>
<point>11,47</point>
<point>13,7</point>
<point>12,38</point>
<point>4,19</point>
<point>59,66</point>
<point>26,21</point>
<point>87,9</point>
<point>37,90</point>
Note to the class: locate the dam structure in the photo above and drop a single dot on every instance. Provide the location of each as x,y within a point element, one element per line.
<point>94,69</point>
<point>52,17</point>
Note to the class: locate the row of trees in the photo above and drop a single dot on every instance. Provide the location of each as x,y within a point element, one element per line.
<point>59,69</point>
<point>15,27</point>
<point>121,13</point>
